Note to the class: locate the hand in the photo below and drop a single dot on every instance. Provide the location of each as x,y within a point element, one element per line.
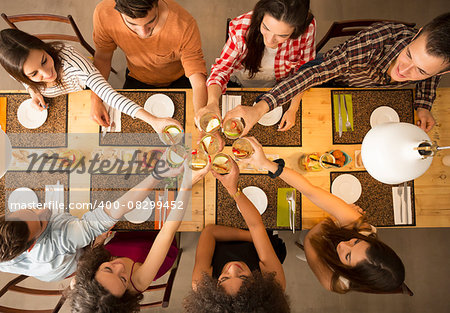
<point>426,120</point>
<point>159,123</point>
<point>357,209</point>
<point>258,158</point>
<point>212,107</point>
<point>250,114</point>
<point>165,170</point>
<point>288,120</point>
<point>230,180</point>
<point>216,136</point>
<point>37,100</point>
<point>196,176</point>
<point>99,114</point>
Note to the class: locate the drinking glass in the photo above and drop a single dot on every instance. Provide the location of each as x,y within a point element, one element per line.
<point>222,163</point>
<point>210,123</point>
<point>233,128</point>
<point>198,160</point>
<point>176,155</point>
<point>242,148</point>
<point>210,144</point>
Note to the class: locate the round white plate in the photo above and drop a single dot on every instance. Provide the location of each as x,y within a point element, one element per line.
<point>257,196</point>
<point>141,215</point>
<point>22,198</point>
<point>383,115</point>
<point>160,105</point>
<point>347,187</point>
<point>271,117</point>
<point>30,117</point>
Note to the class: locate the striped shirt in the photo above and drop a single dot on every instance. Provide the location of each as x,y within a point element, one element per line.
<point>78,73</point>
<point>361,61</point>
<point>290,55</point>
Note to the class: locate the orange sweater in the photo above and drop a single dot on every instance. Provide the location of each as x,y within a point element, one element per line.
<point>160,59</point>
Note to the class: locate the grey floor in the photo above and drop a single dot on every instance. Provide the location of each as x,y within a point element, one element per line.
<point>425,252</point>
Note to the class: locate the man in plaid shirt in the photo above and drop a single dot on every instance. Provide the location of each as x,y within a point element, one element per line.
<point>385,55</point>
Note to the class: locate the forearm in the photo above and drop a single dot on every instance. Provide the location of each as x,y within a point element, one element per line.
<point>295,102</point>
<point>249,212</point>
<point>145,116</point>
<point>226,233</point>
<point>214,93</point>
<point>199,92</point>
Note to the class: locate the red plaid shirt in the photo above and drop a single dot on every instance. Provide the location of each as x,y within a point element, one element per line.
<point>361,61</point>
<point>290,55</point>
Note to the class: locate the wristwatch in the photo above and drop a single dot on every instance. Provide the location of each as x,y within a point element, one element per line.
<point>279,170</point>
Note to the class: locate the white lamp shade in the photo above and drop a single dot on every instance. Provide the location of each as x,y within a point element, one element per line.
<point>6,152</point>
<point>388,152</point>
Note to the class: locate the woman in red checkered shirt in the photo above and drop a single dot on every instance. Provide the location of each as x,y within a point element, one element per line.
<point>264,46</point>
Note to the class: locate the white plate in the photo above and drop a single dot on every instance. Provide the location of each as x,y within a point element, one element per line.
<point>22,198</point>
<point>160,105</point>
<point>271,117</point>
<point>383,115</point>
<point>30,117</point>
<point>257,196</point>
<point>141,215</point>
<point>347,187</point>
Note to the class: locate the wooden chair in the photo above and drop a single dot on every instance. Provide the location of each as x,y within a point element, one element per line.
<point>351,28</point>
<point>11,20</point>
<point>12,286</point>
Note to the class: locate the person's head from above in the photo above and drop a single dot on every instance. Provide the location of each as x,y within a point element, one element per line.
<point>368,263</point>
<point>19,231</point>
<point>274,22</point>
<point>255,293</point>
<point>102,284</point>
<point>28,59</point>
<point>140,16</point>
<point>427,55</point>
<point>233,275</point>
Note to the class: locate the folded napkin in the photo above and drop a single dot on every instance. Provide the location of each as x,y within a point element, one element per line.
<point>3,113</point>
<point>406,219</point>
<point>114,116</point>
<point>283,207</point>
<point>229,103</point>
<point>161,213</point>
<point>54,198</point>
<point>348,99</point>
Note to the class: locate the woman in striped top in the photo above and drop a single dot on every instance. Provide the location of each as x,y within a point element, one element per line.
<point>54,69</point>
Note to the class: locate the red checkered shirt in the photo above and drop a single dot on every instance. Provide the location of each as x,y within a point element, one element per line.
<point>290,55</point>
<point>361,61</point>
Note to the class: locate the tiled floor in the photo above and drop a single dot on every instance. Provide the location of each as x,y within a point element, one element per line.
<point>425,252</point>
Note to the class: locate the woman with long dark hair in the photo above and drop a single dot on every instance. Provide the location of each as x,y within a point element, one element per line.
<point>54,69</point>
<point>344,253</point>
<point>238,270</point>
<point>264,46</point>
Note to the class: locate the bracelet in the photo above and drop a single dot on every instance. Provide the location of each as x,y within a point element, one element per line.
<point>238,193</point>
<point>281,164</point>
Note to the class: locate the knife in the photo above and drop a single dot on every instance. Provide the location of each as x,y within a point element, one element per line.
<point>293,213</point>
<point>405,195</point>
<point>166,199</point>
<point>340,115</point>
<point>160,200</point>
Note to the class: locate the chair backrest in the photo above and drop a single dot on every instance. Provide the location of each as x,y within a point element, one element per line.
<point>227,29</point>
<point>351,28</point>
<point>12,286</point>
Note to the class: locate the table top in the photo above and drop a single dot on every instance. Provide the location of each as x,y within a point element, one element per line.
<point>432,190</point>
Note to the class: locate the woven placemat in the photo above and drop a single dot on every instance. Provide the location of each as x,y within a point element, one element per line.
<point>376,199</point>
<point>110,187</point>
<point>364,102</point>
<point>266,134</point>
<point>56,123</point>
<point>136,126</point>
<point>33,180</point>
<point>228,214</point>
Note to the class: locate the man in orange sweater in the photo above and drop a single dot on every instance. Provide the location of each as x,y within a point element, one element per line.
<point>161,42</point>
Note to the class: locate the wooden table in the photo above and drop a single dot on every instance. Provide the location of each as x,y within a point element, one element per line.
<point>79,122</point>
<point>432,190</point>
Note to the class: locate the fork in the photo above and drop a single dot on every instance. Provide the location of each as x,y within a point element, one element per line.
<point>290,198</point>
<point>400,193</point>
<point>348,125</point>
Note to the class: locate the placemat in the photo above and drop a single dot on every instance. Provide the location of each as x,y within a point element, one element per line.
<point>33,180</point>
<point>364,102</point>
<point>228,214</point>
<point>376,199</point>
<point>110,187</point>
<point>138,127</point>
<point>56,123</point>
<point>266,134</point>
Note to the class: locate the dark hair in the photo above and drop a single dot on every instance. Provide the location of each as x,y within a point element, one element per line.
<point>135,8</point>
<point>383,271</point>
<point>438,37</point>
<point>260,293</point>
<point>15,46</point>
<point>292,12</point>
<point>89,295</point>
<point>14,235</point>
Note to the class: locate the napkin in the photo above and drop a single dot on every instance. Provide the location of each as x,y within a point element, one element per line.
<point>282,207</point>
<point>114,116</point>
<point>348,99</point>
<point>229,103</point>
<point>54,198</point>
<point>159,211</point>
<point>3,113</point>
<point>407,214</point>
